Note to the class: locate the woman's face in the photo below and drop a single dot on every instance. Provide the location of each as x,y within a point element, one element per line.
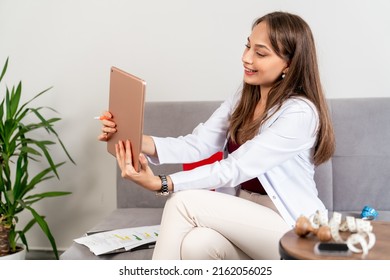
<point>262,66</point>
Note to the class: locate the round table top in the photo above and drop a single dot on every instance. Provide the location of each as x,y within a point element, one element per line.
<point>292,246</point>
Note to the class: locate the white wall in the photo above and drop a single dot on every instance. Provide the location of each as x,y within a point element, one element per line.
<point>185,50</point>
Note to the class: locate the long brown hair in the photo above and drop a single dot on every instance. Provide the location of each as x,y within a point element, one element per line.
<point>292,40</point>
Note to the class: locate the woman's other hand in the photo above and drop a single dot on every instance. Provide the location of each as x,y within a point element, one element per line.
<point>109,126</point>
<point>145,176</point>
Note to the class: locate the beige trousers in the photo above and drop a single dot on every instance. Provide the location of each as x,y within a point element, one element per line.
<point>202,224</point>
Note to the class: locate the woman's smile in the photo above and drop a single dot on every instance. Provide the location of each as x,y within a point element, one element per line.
<point>249,72</point>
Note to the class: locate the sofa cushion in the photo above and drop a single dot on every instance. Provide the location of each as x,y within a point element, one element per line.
<point>324,182</point>
<point>361,162</point>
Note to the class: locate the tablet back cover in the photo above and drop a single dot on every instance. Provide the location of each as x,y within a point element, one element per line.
<point>126,104</point>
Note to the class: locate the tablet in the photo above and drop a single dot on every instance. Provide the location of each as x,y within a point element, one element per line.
<point>126,104</point>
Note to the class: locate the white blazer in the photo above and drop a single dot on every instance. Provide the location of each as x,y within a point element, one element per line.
<point>280,156</point>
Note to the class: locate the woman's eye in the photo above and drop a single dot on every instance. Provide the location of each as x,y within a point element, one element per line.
<point>247,46</point>
<point>260,54</point>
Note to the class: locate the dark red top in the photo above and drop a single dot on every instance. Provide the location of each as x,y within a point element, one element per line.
<point>252,185</point>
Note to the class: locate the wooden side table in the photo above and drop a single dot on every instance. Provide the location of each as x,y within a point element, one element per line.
<point>291,246</point>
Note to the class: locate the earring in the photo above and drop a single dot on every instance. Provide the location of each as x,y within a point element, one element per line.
<point>283,75</point>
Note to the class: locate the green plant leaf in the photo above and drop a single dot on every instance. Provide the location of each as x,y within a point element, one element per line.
<point>29,225</point>
<point>45,228</point>
<point>21,173</point>
<point>7,173</point>
<point>55,133</point>
<point>21,170</point>
<point>37,197</point>
<point>22,236</point>
<point>42,146</point>
<point>37,179</point>
<point>12,237</point>
<point>4,69</point>
<point>28,150</point>
<point>24,129</point>
<point>10,196</point>
<point>47,194</point>
<point>14,102</point>
<point>1,113</point>
<point>29,101</point>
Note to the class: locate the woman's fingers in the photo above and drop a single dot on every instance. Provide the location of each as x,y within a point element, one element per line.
<point>118,155</point>
<point>103,137</point>
<point>128,155</point>
<point>119,150</point>
<point>144,177</point>
<point>109,126</point>
<point>144,162</point>
<point>124,158</point>
<point>107,114</point>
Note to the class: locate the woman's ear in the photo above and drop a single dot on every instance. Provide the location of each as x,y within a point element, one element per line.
<point>285,70</point>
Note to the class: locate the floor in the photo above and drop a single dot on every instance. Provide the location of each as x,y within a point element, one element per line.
<point>41,255</point>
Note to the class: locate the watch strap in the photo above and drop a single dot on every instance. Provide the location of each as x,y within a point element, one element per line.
<point>164,191</point>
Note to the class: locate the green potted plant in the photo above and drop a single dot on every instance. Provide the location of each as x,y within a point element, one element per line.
<point>19,147</point>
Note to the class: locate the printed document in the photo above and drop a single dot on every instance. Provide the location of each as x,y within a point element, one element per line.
<point>120,240</point>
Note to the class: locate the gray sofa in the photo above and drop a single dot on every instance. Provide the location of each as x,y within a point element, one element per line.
<point>357,175</point>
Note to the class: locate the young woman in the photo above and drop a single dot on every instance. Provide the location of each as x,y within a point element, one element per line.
<point>275,131</point>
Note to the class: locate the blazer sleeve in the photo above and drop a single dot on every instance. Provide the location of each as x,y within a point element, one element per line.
<point>206,139</point>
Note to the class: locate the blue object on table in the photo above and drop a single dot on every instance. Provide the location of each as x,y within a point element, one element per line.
<point>369,213</point>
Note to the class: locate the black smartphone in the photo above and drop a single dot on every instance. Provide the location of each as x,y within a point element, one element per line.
<point>332,249</point>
